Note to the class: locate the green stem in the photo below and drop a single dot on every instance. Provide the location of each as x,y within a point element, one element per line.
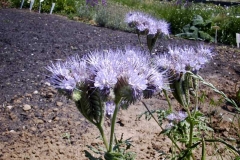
<point>190,134</point>
<point>103,136</point>
<point>196,97</point>
<point>114,117</point>
<point>140,40</point>
<point>168,100</point>
<point>203,150</point>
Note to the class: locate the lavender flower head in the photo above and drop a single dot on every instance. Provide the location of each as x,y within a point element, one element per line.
<point>104,67</point>
<point>186,58</point>
<point>146,24</point>
<point>66,75</point>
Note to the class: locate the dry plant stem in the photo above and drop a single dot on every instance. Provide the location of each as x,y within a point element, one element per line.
<point>161,126</point>
<point>168,100</point>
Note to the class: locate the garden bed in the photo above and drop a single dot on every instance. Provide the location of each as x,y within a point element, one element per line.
<point>38,123</point>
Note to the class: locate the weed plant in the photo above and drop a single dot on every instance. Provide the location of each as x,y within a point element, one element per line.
<point>112,16</point>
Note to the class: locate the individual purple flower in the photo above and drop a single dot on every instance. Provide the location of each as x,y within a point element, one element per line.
<point>133,65</point>
<point>78,68</point>
<point>110,107</point>
<point>67,75</point>
<point>104,66</point>
<point>61,77</point>
<point>171,117</point>
<point>169,126</point>
<point>181,115</point>
<point>177,117</point>
<point>164,27</point>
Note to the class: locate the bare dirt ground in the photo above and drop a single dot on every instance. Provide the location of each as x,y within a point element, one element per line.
<point>38,123</point>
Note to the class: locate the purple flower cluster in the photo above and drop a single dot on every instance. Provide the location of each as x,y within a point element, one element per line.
<point>68,74</point>
<point>186,58</point>
<point>131,65</point>
<point>146,24</point>
<point>106,69</point>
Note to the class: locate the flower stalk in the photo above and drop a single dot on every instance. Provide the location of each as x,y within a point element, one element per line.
<point>113,122</point>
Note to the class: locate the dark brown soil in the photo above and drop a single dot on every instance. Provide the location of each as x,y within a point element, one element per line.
<point>29,42</point>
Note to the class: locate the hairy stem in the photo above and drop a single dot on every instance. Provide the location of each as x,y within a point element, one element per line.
<point>114,117</point>
<point>168,100</point>
<point>103,136</point>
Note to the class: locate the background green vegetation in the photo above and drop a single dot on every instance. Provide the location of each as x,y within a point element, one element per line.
<point>178,15</point>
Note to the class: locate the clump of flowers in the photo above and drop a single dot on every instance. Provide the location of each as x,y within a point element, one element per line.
<point>144,24</point>
<point>185,58</point>
<point>101,82</point>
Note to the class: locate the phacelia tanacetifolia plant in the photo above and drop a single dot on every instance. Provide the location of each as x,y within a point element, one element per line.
<point>188,127</point>
<point>101,82</point>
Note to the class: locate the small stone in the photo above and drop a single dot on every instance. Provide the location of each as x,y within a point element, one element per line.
<point>9,107</point>
<point>59,104</point>
<point>49,95</point>
<point>33,129</point>
<point>77,123</point>
<point>47,84</point>
<point>12,131</point>
<point>39,121</point>
<point>28,95</point>
<point>35,92</point>
<point>17,101</point>
<point>55,109</point>
<point>61,151</point>
<point>56,119</point>
<point>26,107</point>
<point>12,116</point>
